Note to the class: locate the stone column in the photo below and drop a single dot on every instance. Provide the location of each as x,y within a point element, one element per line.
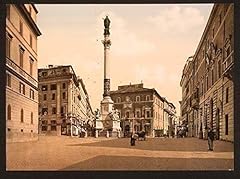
<point>106,103</point>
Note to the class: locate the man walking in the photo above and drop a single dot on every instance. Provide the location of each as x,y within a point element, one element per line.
<point>210,139</point>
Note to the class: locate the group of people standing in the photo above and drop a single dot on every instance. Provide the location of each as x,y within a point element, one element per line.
<point>210,137</point>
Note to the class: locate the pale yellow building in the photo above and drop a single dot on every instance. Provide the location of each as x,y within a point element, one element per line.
<point>21,68</point>
<point>64,107</point>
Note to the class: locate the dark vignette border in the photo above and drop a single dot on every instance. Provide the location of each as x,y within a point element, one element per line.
<point>120,174</point>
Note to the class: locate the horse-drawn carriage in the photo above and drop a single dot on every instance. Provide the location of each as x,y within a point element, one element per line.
<point>141,135</point>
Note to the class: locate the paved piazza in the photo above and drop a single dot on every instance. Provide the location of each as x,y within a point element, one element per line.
<point>65,153</point>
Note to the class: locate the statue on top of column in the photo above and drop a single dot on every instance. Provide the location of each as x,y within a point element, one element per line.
<point>106,25</point>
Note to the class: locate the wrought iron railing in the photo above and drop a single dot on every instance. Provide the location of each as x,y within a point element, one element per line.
<point>228,63</point>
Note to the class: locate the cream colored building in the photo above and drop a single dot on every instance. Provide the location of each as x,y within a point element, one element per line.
<point>207,85</point>
<point>64,107</point>
<point>141,109</point>
<point>21,68</point>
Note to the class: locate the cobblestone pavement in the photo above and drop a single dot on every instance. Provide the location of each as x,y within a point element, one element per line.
<point>65,153</point>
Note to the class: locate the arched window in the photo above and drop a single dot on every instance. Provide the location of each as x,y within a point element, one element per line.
<point>9,112</point>
<point>118,100</point>
<point>31,117</point>
<point>137,98</point>
<point>21,115</point>
<point>147,98</point>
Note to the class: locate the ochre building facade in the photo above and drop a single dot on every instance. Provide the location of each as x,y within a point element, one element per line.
<point>21,68</point>
<point>141,109</point>
<point>207,85</point>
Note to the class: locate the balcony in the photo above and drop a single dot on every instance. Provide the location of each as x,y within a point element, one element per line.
<point>195,99</point>
<point>21,72</point>
<point>227,65</point>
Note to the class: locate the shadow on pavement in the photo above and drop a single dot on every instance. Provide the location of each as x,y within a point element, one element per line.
<point>148,163</point>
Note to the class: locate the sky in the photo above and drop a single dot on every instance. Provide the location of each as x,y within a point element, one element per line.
<point>150,43</point>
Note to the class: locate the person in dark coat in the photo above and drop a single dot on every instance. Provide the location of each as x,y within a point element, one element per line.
<point>133,139</point>
<point>210,139</point>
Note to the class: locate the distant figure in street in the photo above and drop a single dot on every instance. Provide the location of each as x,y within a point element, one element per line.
<point>210,139</point>
<point>133,139</point>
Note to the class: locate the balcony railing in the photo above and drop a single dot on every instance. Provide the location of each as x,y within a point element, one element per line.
<point>195,98</point>
<point>20,71</point>
<point>228,63</point>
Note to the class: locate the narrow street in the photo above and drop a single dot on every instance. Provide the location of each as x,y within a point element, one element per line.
<point>117,154</point>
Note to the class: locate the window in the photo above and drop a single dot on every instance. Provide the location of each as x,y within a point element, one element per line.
<point>54,111</point>
<point>206,83</point>
<point>127,114</point>
<point>44,122</point>
<point>226,124</point>
<point>119,114</point>
<point>21,130</point>
<point>9,112</point>
<point>53,87</point>
<point>53,122</point>
<point>21,88</point>
<point>8,11</point>
<point>44,88</point>
<point>220,19</point>
<point>22,115</point>
<point>8,45</point>
<point>31,61</point>
<point>64,95</point>
<point>44,128</point>
<point>62,110</point>
<point>21,27</point>
<point>226,95</point>
<point>53,128</point>
<point>148,113</point>
<point>30,10</point>
<point>31,94</point>
<point>9,129</point>
<point>137,98</point>
<point>30,40</point>
<point>219,69</point>
<point>45,97</point>
<point>8,80</point>
<point>44,73</point>
<point>21,52</point>
<point>213,32</point>
<point>138,114</point>
<point>118,100</point>
<point>31,117</point>
<point>212,76</point>
<point>147,98</point>
<point>228,51</point>
<point>53,96</point>
<point>64,85</point>
<point>44,111</point>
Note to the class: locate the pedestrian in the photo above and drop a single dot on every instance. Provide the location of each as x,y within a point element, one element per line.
<point>210,139</point>
<point>132,140</point>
